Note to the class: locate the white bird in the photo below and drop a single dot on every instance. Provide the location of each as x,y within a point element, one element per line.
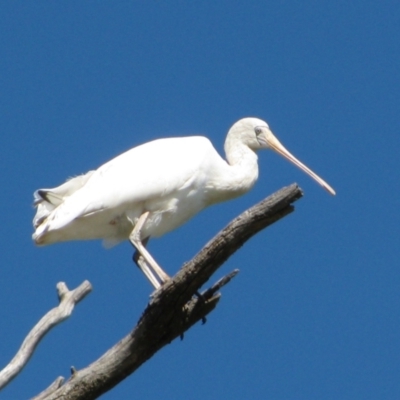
<point>154,188</point>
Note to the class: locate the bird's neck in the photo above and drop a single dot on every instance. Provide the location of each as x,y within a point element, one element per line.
<point>238,175</point>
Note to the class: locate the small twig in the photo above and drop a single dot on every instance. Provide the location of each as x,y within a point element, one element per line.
<point>207,294</point>
<point>68,299</point>
<point>52,388</point>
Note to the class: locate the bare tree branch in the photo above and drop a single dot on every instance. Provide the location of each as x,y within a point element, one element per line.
<point>67,299</point>
<point>172,309</point>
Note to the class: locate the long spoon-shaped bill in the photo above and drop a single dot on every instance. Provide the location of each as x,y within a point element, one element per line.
<point>277,146</point>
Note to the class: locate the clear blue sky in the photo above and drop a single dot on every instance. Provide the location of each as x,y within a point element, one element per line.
<point>314,312</point>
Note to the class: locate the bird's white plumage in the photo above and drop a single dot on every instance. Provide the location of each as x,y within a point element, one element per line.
<point>168,177</point>
<point>166,180</point>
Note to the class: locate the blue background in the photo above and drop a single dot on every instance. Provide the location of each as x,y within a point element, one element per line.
<point>314,312</point>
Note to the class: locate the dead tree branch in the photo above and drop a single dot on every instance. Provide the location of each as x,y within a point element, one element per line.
<point>173,309</point>
<point>67,299</point>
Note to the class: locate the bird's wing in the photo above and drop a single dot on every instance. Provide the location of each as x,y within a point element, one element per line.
<point>47,200</point>
<point>146,172</point>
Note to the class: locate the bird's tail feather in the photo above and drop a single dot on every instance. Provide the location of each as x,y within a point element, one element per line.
<point>43,205</point>
<point>47,200</point>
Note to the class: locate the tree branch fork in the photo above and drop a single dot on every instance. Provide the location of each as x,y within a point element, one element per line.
<point>171,311</point>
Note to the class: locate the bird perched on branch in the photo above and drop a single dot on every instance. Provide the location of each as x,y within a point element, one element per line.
<point>153,188</point>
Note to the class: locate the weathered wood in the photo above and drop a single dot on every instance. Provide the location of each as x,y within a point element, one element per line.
<point>172,309</point>
<point>52,388</point>
<point>68,299</point>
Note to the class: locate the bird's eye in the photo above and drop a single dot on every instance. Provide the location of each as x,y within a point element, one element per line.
<point>258,131</point>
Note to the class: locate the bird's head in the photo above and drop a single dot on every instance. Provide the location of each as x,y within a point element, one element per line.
<point>256,134</point>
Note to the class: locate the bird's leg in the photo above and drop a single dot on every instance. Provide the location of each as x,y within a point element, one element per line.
<point>149,266</point>
<point>141,263</point>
